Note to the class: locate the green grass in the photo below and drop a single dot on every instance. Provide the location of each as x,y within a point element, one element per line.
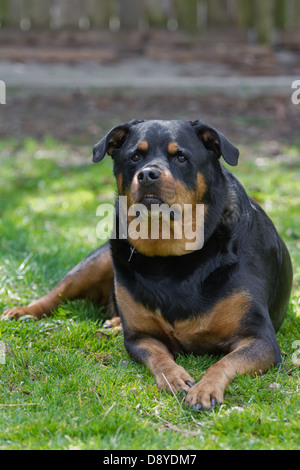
<point>64,385</point>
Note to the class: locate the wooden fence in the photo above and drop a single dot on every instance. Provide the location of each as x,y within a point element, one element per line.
<point>261,17</point>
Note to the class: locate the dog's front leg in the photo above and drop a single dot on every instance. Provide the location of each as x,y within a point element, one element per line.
<point>254,355</point>
<point>157,357</point>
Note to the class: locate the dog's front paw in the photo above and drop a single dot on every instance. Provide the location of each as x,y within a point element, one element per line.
<point>205,395</point>
<point>18,312</point>
<point>175,380</point>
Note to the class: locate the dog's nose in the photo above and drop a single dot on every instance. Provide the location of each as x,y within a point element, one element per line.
<point>148,176</point>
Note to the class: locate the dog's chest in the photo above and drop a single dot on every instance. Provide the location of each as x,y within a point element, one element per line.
<point>205,331</point>
<point>189,336</point>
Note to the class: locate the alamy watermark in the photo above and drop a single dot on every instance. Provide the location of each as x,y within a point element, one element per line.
<point>160,222</point>
<point>2,352</point>
<point>296,94</point>
<point>2,92</point>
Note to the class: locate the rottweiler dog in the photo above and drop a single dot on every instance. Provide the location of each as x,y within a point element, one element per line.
<point>227,296</point>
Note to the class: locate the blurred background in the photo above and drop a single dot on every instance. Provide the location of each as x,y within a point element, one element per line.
<point>105,61</point>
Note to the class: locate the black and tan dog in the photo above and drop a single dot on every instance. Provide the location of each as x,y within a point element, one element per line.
<point>228,297</point>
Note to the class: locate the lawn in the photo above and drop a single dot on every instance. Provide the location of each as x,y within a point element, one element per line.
<point>64,383</point>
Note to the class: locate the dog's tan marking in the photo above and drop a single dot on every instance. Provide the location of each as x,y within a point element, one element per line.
<point>143,146</point>
<point>172,148</point>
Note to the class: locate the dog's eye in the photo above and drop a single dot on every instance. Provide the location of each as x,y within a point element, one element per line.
<point>181,158</point>
<point>135,158</point>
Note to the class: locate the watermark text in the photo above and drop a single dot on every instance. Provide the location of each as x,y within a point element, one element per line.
<point>2,92</point>
<point>160,222</point>
<point>296,94</point>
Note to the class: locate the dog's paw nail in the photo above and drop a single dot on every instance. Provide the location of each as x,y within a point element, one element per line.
<point>197,407</point>
<point>189,383</point>
<point>214,402</point>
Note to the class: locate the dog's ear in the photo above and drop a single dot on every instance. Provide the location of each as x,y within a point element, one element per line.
<point>113,140</point>
<point>212,139</point>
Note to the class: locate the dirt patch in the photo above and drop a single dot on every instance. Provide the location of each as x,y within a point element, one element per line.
<point>84,118</point>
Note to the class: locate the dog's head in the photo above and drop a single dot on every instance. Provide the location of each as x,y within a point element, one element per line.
<point>172,163</point>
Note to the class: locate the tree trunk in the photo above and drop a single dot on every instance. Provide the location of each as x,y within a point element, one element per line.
<point>264,20</point>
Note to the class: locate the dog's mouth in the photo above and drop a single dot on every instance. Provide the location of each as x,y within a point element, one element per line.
<point>150,199</point>
<point>156,206</point>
